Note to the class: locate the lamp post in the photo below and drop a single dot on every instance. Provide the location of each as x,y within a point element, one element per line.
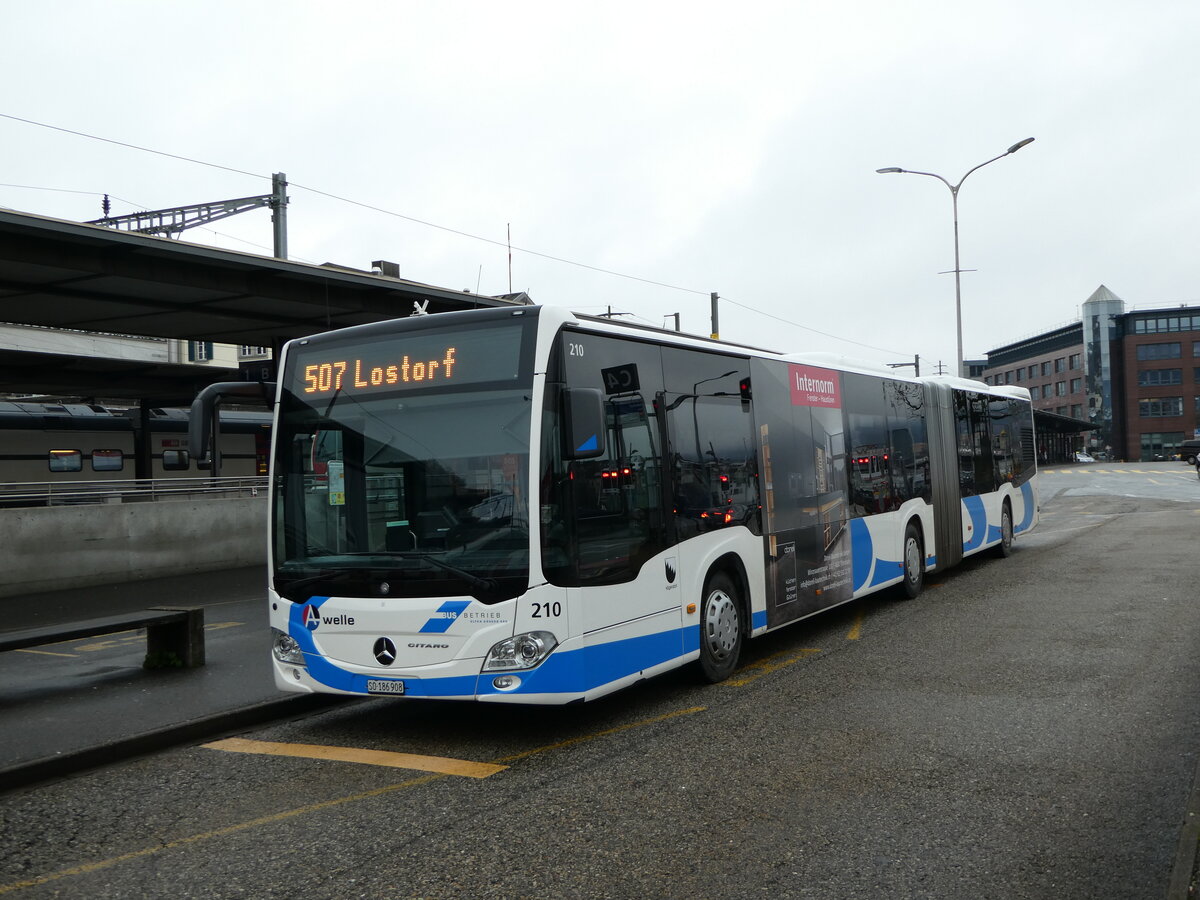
<point>954,198</point>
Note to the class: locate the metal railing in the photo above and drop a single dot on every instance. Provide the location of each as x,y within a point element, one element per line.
<point>131,490</point>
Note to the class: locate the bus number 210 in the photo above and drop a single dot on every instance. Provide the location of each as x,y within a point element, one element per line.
<point>547,610</point>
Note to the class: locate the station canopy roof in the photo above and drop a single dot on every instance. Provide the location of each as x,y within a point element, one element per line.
<point>69,275</point>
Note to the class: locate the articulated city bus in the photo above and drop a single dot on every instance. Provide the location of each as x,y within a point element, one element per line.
<point>532,506</point>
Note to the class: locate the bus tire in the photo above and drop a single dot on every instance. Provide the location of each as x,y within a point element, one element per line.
<point>914,561</point>
<point>1004,548</point>
<point>720,627</point>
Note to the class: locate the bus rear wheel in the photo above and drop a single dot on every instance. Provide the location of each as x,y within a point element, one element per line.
<point>720,628</point>
<point>914,562</point>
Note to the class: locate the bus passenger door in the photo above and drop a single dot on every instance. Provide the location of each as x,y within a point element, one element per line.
<point>711,460</point>
<point>944,464</point>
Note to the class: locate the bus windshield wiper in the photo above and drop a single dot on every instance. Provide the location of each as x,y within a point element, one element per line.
<point>335,575</point>
<point>487,585</point>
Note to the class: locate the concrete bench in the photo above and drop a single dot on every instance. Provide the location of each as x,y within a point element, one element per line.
<point>174,635</point>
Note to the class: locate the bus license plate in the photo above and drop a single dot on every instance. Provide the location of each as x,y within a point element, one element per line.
<point>384,687</point>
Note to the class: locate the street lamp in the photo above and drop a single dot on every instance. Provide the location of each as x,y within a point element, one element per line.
<point>954,197</point>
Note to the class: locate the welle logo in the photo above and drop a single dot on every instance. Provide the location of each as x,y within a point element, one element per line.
<point>311,619</point>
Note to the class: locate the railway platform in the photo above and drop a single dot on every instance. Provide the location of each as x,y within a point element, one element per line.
<point>87,702</point>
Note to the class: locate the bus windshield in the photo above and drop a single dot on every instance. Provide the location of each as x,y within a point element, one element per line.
<point>404,492</point>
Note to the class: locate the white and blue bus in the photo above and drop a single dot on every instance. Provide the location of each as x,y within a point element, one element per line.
<point>528,505</point>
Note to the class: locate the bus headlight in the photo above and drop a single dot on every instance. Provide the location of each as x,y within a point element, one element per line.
<point>521,651</point>
<point>286,649</point>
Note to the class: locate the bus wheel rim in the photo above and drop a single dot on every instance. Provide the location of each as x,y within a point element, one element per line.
<point>721,624</point>
<point>912,558</point>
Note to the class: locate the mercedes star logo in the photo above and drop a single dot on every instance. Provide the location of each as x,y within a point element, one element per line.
<point>385,652</point>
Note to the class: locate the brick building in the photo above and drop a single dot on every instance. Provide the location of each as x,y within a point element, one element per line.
<point>1132,377</point>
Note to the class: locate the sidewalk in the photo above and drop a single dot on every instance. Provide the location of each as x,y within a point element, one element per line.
<point>78,704</point>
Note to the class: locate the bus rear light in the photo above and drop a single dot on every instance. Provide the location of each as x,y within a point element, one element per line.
<point>522,651</point>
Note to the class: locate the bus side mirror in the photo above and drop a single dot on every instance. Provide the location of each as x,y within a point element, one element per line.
<point>204,412</point>
<point>583,423</point>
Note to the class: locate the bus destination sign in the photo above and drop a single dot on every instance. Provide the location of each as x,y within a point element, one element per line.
<point>429,359</point>
<point>356,374</point>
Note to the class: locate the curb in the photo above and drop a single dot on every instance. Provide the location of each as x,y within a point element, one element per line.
<point>28,774</point>
<point>1185,874</point>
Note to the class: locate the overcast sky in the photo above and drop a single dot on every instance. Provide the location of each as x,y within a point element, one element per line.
<point>700,146</point>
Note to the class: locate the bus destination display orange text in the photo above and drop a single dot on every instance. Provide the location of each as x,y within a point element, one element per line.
<point>354,374</point>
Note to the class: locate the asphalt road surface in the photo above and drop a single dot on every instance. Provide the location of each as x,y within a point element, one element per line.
<point>1027,728</point>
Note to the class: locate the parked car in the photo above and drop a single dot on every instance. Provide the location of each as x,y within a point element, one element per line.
<point>1188,451</point>
<point>1083,456</point>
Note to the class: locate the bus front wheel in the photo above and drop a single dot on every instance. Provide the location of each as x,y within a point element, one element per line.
<point>720,628</point>
<point>1004,548</point>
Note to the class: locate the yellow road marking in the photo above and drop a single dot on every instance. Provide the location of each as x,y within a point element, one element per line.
<point>856,631</point>
<point>440,764</point>
<point>315,807</point>
<point>110,643</point>
<point>48,653</point>
<point>767,665</point>
<point>208,835</point>
<point>134,636</point>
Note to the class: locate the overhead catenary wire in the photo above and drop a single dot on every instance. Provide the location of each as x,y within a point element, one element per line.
<point>428,224</point>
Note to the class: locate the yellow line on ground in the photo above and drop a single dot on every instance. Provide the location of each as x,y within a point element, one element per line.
<point>856,631</point>
<point>767,665</point>
<point>208,835</point>
<point>440,764</point>
<point>217,626</point>
<point>48,653</point>
<point>315,807</point>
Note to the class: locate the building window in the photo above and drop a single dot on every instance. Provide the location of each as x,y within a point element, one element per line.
<point>1075,361</point>
<point>1152,377</point>
<point>1076,385</point>
<point>1160,445</point>
<point>1060,364</point>
<point>1077,411</point>
<point>247,350</point>
<point>1160,407</point>
<point>1046,368</point>
<point>1166,324</point>
<point>200,351</point>
<point>1060,389</point>
<point>1158,351</point>
<point>1020,375</point>
<point>1033,370</point>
